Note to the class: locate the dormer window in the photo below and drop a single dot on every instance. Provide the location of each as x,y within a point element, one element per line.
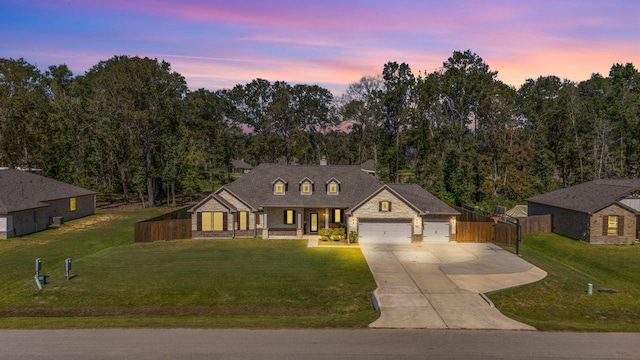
<point>279,187</point>
<point>306,186</point>
<point>333,187</point>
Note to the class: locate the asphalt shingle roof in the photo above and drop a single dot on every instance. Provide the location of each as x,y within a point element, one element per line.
<point>256,187</point>
<point>240,164</point>
<point>20,190</point>
<point>589,197</point>
<point>423,200</point>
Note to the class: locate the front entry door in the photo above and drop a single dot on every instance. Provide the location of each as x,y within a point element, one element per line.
<point>313,221</point>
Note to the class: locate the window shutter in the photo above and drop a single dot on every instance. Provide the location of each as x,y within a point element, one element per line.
<point>199,221</point>
<point>389,205</point>
<point>236,218</point>
<point>379,205</point>
<point>620,225</point>
<point>605,225</point>
<point>225,220</point>
<point>246,215</point>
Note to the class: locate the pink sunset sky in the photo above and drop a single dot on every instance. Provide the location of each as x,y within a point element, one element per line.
<point>218,44</point>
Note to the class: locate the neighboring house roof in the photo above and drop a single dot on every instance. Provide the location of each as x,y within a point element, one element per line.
<point>369,166</point>
<point>256,187</point>
<point>240,164</point>
<point>518,211</point>
<point>20,190</point>
<point>423,200</point>
<point>589,197</point>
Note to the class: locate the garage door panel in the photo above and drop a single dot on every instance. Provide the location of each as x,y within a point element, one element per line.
<point>385,232</point>
<point>435,231</point>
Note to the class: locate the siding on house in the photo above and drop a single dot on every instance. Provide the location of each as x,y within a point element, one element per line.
<point>29,221</point>
<point>85,206</point>
<point>569,223</point>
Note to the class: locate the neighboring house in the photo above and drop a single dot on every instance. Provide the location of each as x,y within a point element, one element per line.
<point>278,200</point>
<point>598,212</point>
<point>369,167</point>
<point>240,167</point>
<point>30,202</point>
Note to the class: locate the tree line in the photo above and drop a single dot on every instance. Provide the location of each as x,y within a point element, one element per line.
<point>131,126</point>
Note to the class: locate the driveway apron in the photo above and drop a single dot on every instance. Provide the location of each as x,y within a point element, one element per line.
<point>442,286</point>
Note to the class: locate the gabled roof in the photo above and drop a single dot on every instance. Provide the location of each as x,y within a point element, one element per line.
<point>589,197</point>
<point>256,187</point>
<point>218,198</point>
<point>423,200</point>
<point>20,190</point>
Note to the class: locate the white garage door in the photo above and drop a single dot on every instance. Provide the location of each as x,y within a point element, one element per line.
<point>384,232</point>
<point>435,231</point>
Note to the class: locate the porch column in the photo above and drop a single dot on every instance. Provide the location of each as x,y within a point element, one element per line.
<point>265,226</point>
<point>300,230</point>
<point>326,218</point>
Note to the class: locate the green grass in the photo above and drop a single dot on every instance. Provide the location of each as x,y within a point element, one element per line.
<point>560,302</point>
<point>186,283</point>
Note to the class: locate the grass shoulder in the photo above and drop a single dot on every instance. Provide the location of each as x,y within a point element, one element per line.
<point>560,301</point>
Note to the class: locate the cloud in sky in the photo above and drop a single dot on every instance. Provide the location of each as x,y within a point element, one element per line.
<point>218,44</point>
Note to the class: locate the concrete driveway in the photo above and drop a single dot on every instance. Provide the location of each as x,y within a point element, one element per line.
<point>442,286</point>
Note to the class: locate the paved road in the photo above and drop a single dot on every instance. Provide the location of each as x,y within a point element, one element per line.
<point>160,344</point>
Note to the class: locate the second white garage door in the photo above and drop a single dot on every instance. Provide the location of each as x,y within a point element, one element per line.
<point>384,232</point>
<point>436,231</point>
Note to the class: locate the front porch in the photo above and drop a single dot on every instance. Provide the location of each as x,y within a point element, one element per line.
<point>299,222</point>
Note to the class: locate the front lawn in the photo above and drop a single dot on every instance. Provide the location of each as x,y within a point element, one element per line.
<point>186,283</point>
<point>560,301</point>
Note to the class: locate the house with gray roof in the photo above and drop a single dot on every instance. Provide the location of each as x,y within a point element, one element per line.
<point>240,167</point>
<point>605,211</point>
<point>294,201</point>
<point>30,202</point>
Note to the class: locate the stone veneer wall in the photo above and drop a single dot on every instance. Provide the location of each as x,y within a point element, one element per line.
<point>399,210</point>
<point>211,205</point>
<point>241,207</point>
<point>597,219</point>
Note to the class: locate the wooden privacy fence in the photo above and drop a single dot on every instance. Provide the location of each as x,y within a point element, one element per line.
<point>171,226</point>
<point>486,232</point>
<point>501,232</point>
<point>535,224</point>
